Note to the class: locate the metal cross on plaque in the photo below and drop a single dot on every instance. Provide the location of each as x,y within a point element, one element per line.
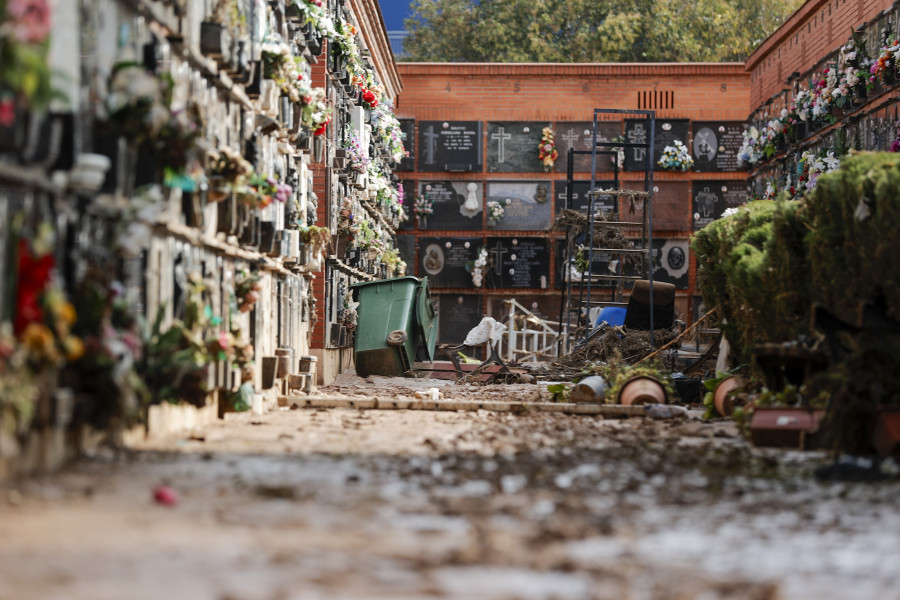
<point>497,253</point>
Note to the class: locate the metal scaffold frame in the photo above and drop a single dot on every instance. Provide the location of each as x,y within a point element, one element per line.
<point>600,147</point>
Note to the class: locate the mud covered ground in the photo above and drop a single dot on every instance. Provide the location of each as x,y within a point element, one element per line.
<point>309,504</point>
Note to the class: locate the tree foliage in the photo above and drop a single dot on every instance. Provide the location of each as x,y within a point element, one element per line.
<point>590,30</point>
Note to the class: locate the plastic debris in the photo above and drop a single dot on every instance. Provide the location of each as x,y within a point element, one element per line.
<point>665,411</point>
<point>489,330</point>
<point>165,495</point>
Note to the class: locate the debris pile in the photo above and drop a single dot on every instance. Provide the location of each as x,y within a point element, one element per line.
<point>627,346</point>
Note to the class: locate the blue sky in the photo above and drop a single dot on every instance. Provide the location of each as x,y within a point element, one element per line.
<point>394,11</point>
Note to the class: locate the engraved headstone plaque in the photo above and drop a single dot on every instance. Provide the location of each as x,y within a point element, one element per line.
<point>457,204</point>
<point>671,261</point>
<point>512,147</point>
<point>409,200</point>
<point>449,146</point>
<point>603,203</point>
<point>519,262</point>
<point>444,260</point>
<point>528,205</point>
<point>603,263</point>
<point>637,132</point>
<point>712,198</point>
<point>579,135</point>
<point>457,315</point>
<point>715,146</point>
<point>406,247</point>
<point>408,127</point>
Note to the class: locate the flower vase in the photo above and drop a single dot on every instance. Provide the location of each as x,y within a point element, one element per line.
<point>226,219</point>
<point>313,43</point>
<point>218,189</point>
<point>422,221</point>
<point>491,223</point>
<point>860,93</point>
<point>780,144</point>
<point>14,137</point>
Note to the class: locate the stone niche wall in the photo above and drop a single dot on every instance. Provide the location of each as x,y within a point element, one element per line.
<point>176,235</point>
<point>476,130</point>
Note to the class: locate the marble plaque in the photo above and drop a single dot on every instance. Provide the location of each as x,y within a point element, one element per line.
<point>671,261</point>
<point>512,147</point>
<point>578,136</point>
<point>457,204</point>
<point>449,146</point>
<point>457,315</point>
<point>529,206</point>
<point>580,200</point>
<point>715,146</point>
<point>519,262</point>
<point>406,246</point>
<point>409,200</point>
<point>711,198</point>
<point>408,127</point>
<point>667,131</point>
<point>444,261</point>
<point>601,264</point>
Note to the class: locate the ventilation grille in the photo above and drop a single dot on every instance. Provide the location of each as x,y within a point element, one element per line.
<point>655,99</point>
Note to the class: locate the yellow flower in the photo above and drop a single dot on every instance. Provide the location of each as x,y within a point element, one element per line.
<point>39,341</point>
<point>68,314</point>
<point>74,348</point>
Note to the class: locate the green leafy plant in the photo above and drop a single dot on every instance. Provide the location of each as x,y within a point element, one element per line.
<point>559,392</point>
<point>710,395</point>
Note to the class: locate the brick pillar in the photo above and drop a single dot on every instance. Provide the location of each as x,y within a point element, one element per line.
<point>321,187</point>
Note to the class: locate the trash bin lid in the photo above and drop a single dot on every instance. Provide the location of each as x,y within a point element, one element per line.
<point>426,318</point>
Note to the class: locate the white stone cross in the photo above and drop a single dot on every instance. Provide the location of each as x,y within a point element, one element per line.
<point>501,136</point>
<point>431,139</point>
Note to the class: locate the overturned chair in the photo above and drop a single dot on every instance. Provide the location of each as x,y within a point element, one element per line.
<point>489,331</point>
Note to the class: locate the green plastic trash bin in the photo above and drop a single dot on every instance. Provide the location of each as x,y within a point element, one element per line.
<point>392,317</point>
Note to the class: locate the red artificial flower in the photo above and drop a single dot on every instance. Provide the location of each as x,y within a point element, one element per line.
<point>321,129</point>
<point>369,98</point>
<point>7,112</point>
<point>34,273</point>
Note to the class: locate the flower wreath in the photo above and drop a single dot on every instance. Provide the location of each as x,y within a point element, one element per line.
<point>547,153</point>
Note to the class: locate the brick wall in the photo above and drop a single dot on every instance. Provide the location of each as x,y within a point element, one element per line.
<point>320,188</point>
<point>812,33</point>
<point>570,92</point>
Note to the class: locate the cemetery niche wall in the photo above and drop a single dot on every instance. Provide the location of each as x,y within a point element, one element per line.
<point>506,126</point>
<point>214,228</point>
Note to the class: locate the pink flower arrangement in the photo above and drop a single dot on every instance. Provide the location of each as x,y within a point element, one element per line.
<point>30,19</point>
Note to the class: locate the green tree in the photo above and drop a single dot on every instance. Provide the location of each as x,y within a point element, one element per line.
<point>590,30</point>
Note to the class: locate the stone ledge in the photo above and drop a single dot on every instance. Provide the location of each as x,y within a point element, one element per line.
<point>606,410</point>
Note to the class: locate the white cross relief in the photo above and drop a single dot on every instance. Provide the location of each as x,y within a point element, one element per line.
<point>431,139</point>
<point>638,135</point>
<point>570,137</point>
<point>501,136</point>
